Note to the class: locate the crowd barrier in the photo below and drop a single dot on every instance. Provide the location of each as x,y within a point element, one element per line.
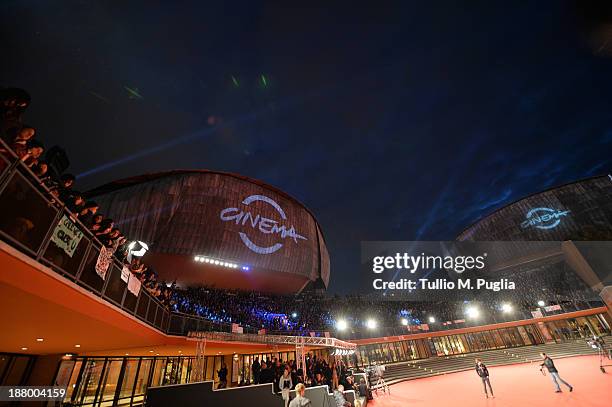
<point>203,394</point>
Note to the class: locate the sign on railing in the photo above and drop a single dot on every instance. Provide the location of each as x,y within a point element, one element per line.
<point>105,258</point>
<point>67,235</point>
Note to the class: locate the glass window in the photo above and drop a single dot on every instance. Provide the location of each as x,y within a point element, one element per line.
<point>210,366</point>
<point>454,340</point>
<point>158,372</point>
<point>143,376</point>
<point>185,370</point>
<point>73,380</point>
<point>534,334</point>
<point>4,362</point>
<point>456,344</point>
<point>16,370</point>
<point>473,342</point>
<point>523,335</point>
<point>598,324</point>
<point>217,366</point>
<point>129,377</point>
<point>170,372</point>
<point>489,340</point>
<point>111,379</point>
<point>497,339</point>
<point>90,381</point>
<point>423,348</point>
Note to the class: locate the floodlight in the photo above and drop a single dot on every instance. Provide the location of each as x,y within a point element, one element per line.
<point>472,312</point>
<point>138,248</point>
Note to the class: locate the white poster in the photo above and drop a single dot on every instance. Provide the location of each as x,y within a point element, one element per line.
<point>125,273</point>
<point>67,235</point>
<point>104,260</point>
<point>134,285</point>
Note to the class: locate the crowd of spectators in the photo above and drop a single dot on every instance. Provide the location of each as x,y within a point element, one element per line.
<point>311,313</point>
<point>22,141</point>
<point>284,375</point>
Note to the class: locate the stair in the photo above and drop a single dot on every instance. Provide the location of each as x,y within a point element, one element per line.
<point>397,372</point>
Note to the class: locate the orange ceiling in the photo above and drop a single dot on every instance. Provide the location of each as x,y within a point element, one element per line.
<point>35,302</point>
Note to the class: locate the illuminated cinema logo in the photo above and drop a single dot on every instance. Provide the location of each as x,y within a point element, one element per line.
<point>543,218</point>
<point>263,225</point>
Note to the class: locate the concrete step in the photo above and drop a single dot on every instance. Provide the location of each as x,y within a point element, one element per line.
<point>397,372</point>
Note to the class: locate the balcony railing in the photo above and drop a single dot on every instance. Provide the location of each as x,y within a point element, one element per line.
<point>30,215</point>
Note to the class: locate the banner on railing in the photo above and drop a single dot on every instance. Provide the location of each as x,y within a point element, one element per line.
<point>105,259</point>
<point>551,308</point>
<point>261,332</point>
<point>424,327</point>
<point>67,236</point>
<point>537,313</point>
<point>125,273</point>
<point>237,329</point>
<point>134,285</point>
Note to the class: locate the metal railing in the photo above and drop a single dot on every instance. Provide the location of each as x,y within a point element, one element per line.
<point>30,215</point>
<point>327,342</point>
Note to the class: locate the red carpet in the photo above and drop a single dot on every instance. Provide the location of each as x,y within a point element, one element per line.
<point>514,386</point>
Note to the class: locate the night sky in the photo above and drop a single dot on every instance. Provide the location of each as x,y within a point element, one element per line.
<point>402,122</point>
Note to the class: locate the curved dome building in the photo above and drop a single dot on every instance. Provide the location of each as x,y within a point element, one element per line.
<point>580,210</point>
<point>219,229</point>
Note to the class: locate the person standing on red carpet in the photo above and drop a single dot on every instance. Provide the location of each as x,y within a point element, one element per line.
<point>554,373</point>
<point>483,372</point>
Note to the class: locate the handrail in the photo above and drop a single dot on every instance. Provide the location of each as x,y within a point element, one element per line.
<point>327,342</point>
<point>16,170</point>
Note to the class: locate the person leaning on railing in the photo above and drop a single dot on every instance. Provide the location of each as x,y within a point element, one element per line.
<point>18,140</point>
<point>87,212</point>
<point>13,102</point>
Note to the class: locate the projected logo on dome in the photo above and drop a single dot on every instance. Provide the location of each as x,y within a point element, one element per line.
<point>543,218</point>
<point>260,224</point>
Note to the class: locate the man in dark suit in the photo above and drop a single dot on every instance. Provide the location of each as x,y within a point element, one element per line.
<point>266,375</point>
<point>483,372</point>
<point>256,369</point>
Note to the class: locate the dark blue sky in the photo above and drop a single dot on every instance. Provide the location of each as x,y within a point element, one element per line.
<point>401,122</point>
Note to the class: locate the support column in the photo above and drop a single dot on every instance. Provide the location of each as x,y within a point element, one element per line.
<point>197,372</point>
<point>300,356</point>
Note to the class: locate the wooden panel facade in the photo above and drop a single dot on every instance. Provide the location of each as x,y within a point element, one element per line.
<point>589,203</point>
<point>186,213</point>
